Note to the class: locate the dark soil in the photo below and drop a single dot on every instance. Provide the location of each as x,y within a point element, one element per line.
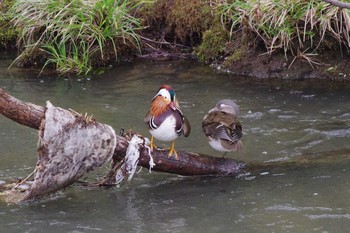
<point>254,61</point>
<point>255,64</point>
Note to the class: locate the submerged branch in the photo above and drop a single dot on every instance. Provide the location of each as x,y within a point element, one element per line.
<point>188,164</point>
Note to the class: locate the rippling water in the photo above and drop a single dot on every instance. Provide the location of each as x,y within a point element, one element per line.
<point>282,120</point>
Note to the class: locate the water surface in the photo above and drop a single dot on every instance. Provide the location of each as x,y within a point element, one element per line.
<point>282,120</point>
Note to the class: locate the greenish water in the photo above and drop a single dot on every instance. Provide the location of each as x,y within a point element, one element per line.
<point>282,120</point>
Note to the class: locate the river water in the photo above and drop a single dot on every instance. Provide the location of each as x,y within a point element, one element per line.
<point>283,121</point>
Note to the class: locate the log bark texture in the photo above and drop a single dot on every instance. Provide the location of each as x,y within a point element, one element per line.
<point>27,114</point>
<point>188,164</point>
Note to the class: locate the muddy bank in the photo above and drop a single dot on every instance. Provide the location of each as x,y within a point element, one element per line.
<point>255,63</point>
<point>258,65</point>
<point>201,30</point>
<point>171,34</point>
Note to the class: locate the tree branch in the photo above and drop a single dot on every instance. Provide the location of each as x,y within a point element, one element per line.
<point>338,3</point>
<point>27,114</point>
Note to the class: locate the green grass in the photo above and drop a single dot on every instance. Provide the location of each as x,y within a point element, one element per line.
<point>78,35</point>
<point>8,33</point>
<point>72,32</point>
<point>293,26</point>
<point>69,60</point>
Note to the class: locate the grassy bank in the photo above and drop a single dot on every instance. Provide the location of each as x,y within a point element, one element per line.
<point>75,36</point>
<point>8,32</point>
<point>299,28</point>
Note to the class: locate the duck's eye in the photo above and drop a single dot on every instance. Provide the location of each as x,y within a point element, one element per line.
<point>164,93</point>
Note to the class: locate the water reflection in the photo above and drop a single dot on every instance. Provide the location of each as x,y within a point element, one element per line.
<point>282,120</point>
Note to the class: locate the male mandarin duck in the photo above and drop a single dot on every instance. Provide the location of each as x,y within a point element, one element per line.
<point>165,120</point>
<point>222,128</point>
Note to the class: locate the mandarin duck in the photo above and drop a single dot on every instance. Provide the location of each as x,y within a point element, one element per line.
<point>222,128</point>
<point>165,120</point>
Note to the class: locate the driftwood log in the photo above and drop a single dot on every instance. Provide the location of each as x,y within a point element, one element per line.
<point>188,164</point>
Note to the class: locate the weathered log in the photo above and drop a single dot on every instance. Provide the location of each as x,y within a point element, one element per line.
<point>70,145</point>
<point>189,164</point>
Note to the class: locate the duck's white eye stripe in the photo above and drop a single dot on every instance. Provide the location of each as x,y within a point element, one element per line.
<point>163,92</point>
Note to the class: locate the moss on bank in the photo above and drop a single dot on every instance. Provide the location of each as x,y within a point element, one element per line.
<point>213,44</point>
<point>177,21</point>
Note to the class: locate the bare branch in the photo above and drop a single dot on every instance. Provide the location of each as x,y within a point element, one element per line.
<point>338,3</point>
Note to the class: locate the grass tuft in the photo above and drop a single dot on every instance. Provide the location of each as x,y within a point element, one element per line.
<point>289,25</point>
<point>71,32</point>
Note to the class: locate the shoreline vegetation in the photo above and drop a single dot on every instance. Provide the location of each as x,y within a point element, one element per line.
<point>264,39</point>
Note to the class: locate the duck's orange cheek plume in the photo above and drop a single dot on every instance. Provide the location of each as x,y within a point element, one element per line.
<point>158,106</point>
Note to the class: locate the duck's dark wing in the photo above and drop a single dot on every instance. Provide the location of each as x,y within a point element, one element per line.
<point>186,127</point>
<point>148,119</point>
<point>222,125</point>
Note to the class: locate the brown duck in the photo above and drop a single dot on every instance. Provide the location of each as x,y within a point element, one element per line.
<point>222,127</point>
